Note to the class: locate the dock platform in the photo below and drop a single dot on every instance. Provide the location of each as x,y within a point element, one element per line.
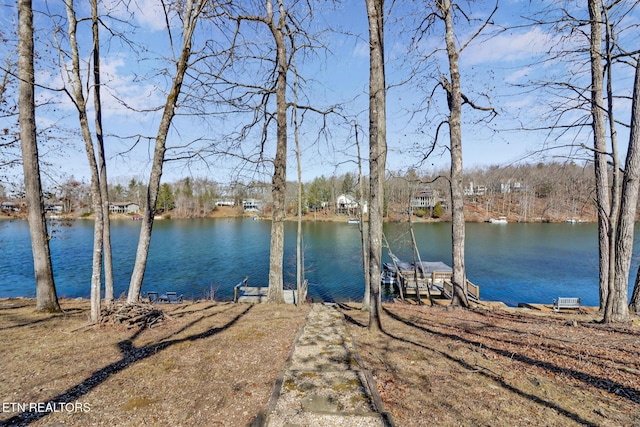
<point>256,294</point>
<point>242,292</point>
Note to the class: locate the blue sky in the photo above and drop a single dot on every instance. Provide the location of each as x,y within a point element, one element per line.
<point>491,68</point>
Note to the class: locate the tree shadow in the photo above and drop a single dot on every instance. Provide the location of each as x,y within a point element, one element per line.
<point>605,384</point>
<point>39,317</point>
<point>558,345</point>
<point>130,354</point>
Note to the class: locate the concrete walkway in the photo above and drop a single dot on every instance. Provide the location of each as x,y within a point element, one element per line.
<point>322,383</point>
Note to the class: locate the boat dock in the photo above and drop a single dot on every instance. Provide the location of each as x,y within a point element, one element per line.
<point>242,292</point>
<point>424,279</point>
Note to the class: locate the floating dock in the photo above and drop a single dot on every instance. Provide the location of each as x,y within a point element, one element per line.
<point>256,294</point>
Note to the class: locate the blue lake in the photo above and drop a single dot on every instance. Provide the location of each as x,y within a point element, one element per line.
<point>511,263</point>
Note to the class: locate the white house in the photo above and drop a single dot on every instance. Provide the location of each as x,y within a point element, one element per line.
<point>10,207</point>
<point>251,205</point>
<point>127,207</point>
<point>225,202</point>
<point>346,203</point>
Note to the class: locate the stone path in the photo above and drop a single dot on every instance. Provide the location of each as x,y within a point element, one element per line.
<point>322,383</point>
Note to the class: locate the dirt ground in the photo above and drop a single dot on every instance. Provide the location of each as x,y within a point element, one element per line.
<point>215,363</point>
<point>499,367</point>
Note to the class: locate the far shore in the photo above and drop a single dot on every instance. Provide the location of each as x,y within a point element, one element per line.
<point>226,212</point>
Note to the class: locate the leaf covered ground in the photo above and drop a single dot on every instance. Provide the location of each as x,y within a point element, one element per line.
<point>213,363</point>
<point>500,367</point>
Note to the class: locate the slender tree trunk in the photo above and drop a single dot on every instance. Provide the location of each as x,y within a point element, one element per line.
<point>454,98</point>
<point>603,202</point>
<point>102,165</point>
<point>96,196</point>
<point>366,300</point>
<point>617,309</point>
<point>279,179</point>
<point>377,154</point>
<point>192,12</point>
<point>46,297</point>
<point>299,251</point>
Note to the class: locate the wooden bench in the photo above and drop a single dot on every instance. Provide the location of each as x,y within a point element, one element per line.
<point>565,303</point>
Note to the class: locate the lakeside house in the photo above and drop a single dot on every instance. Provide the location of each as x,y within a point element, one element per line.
<point>126,208</point>
<point>9,207</point>
<point>346,203</point>
<point>225,202</point>
<point>251,205</point>
<point>54,208</point>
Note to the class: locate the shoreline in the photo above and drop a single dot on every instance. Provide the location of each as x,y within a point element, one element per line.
<point>305,218</point>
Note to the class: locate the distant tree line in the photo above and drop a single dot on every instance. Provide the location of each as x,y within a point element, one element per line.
<point>539,192</point>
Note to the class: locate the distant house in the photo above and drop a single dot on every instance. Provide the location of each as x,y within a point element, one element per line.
<point>53,208</point>
<point>425,199</point>
<point>346,203</point>
<point>478,190</point>
<point>251,205</point>
<point>225,202</point>
<point>9,207</point>
<point>127,207</point>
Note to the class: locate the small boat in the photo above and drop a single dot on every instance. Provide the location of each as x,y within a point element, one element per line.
<point>353,221</point>
<point>499,220</point>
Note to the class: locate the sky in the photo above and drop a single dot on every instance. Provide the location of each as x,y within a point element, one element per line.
<point>496,70</point>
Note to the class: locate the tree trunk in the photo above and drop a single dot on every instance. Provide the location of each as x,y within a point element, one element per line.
<point>102,165</point>
<point>603,203</point>
<point>96,197</point>
<point>46,297</point>
<point>366,299</point>
<point>189,21</point>
<point>299,241</point>
<point>279,179</point>
<point>454,98</point>
<point>377,154</point>
<point>616,309</point>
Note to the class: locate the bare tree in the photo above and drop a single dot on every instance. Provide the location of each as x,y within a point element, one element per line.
<point>46,297</point>
<point>616,210</point>
<point>377,154</point>
<point>190,14</point>
<point>80,102</point>
<point>445,11</point>
<point>617,309</point>
<point>366,299</point>
<point>580,100</point>
<point>287,37</point>
<point>603,195</point>
<point>101,159</point>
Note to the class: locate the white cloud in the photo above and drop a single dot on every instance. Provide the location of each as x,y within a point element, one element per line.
<point>508,47</point>
<point>518,75</point>
<point>148,14</point>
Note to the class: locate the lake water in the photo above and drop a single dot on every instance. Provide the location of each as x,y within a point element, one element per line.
<point>511,263</point>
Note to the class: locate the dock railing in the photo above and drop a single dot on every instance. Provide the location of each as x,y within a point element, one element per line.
<point>440,276</point>
<point>236,288</point>
<point>472,290</point>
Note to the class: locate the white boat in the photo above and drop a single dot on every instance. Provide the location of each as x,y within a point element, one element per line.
<point>353,221</point>
<point>499,220</point>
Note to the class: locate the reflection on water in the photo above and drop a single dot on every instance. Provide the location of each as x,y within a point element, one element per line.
<point>513,263</point>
